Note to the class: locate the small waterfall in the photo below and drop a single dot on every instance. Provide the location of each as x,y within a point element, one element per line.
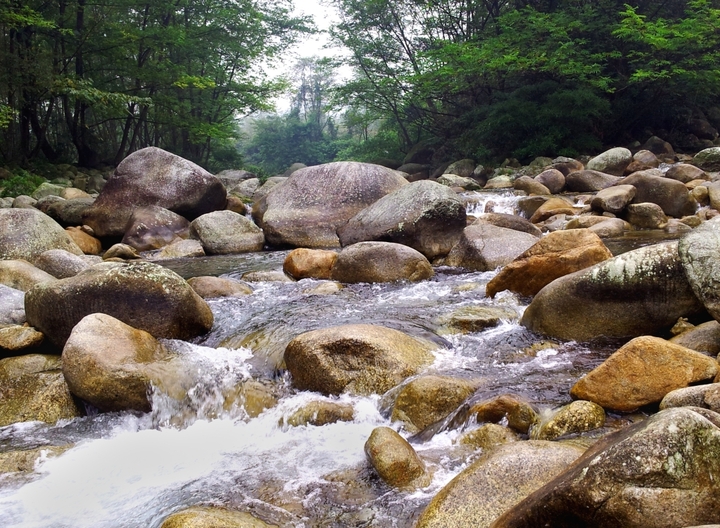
<point>480,202</point>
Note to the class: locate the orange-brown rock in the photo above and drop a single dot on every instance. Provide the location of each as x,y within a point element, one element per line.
<point>552,207</point>
<point>87,243</point>
<point>641,372</point>
<point>304,263</point>
<point>557,254</point>
<point>519,414</point>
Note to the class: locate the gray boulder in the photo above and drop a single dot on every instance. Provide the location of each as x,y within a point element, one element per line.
<point>684,172</point>
<point>708,159</point>
<point>671,195</point>
<point>68,212</point>
<point>153,227</point>
<point>699,256</point>
<point>639,292</point>
<point>225,232</point>
<point>12,305</point>
<point>589,181</point>
<point>60,263</point>
<point>552,179</point>
<point>613,199</point>
<point>25,233</point>
<point>380,262</point>
<point>424,215</point>
<point>152,176</point>
<point>613,161</point>
<point>484,247</point>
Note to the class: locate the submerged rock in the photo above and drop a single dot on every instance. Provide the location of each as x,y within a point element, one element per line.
<point>362,359</point>
<point>639,292</point>
<point>661,472</point>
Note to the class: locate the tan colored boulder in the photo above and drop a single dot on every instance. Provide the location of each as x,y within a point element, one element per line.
<point>640,292</point>
<point>585,181</point>
<point>428,399</point>
<point>518,413</point>
<point>613,199</point>
<point>25,233</point>
<point>705,396</point>
<point>576,417</point>
<point>552,207</point>
<point>15,337</point>
<point>646,215</point>
<point>671,195</point>
<point>212,517</point>
<point>509,221</point>
<point>181,249</point>
<point>88,244</point>
<point>21,275</point>
<point>475,318</point>
<point>308,208</point>
<point>641,372</point>
<point>32,387</point>
<point>60,263</point>
<point>660,472</point>
<point>321,412</point>
<point>212,287</point>
<point>557,254</point>
<point>121,252</point>
<point>487,436</point>
<point>144,295</point>
<point>496,482</point>
<point>530,186</point>
<point>685,173</point>
<point>266,276</point>
<point>111,365</point>
<point>394,459</point>
<point>552,179</point>
<point>304,263</point>
<point>362,359</point>
<point>225,232</point>
<point>380,262</point>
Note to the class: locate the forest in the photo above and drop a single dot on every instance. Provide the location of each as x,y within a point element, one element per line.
<point>86,82</point>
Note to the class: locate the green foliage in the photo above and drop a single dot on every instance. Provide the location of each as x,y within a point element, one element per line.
<point>21,182</point>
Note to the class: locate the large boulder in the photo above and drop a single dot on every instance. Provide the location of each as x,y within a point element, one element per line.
<point>641,372</point>
<point>552,179</point>
<point>424,215</point>
<point>495,482</point>
<point>141,294</point>
<point>307,209</point>
<point>613,199</point>
<point>111,365</point>
<point>362,359</point>
<point>509,221</point>
<point>303,263</point>
<point>613,161</point>
<point>559,253</point>
<point>484,247</point>
<point>394,459</point>
<point>708,159</point>
<point>152,176</point>
<point>380,262</point>
<point>153,227</point>
<point>589,181</point>
<point>25,233</point>
<point>661,472</point>
<point>685,173</point>
<point>226,232</point>
<point>60,263</point>
<point>32,388</point>
<point>671,195</point>
<point>699,252</point>
<point>639,292</point>
<point>21,275</point>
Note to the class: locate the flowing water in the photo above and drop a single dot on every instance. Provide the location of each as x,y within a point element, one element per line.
<point>210,447</point>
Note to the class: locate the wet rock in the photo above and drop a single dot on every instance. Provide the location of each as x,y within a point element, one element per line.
<point>24,460</point>
<point>32,387</point>
<point>577,417</point>
<point>362,359</point>
<point>475,318</point>
<point>704,338</point>
<point>495,483</point>
<point>152,227</point>
<point>698,253</point>
<point>60,263</point>
<point>639,292</point>
<point>212,517</point>
<point>15,338</point>
<point>499,182</point>
<point>613,161</point>
<point>314,202</point>
<point>552,179</point>
<point>609,228</point>
<point>659,472</point>
<point>121,252</point>
<point>484,247</point>
<point>428,399</point>
<point>12,306</point>
<point>225,232</point>
<point>530,186</point>
<point>88,244</point>
<point>559,253</point>
<point>508,221</point>
<point>453,180</point>
<point>214,287</point>
<point>708,159</point>
<point>181,249</point>
<point>25,233</point>
<point>24,202</point>
<point>685,173</point>
<point>705,396</point>
<point>326,288</point>
<point>394,459</point>
<point>152,176</point>
<point>303,263</point>
<point>141,294</point>
<point>21,275</point>
<point>552,207</point>
<point>111,365</point>
<point>266,276</point>
<point>641,372</point>
<point>487,436</point>
<point>380,262</point>
<point>321,412</point>
<point>272,182</point>
<point>528,205</point>
<point>518,413</point>
<point>646,215</point>
<point>613,199</point>
<point>671,195</point>
<point>424,215</point>
<point>589,181</point>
